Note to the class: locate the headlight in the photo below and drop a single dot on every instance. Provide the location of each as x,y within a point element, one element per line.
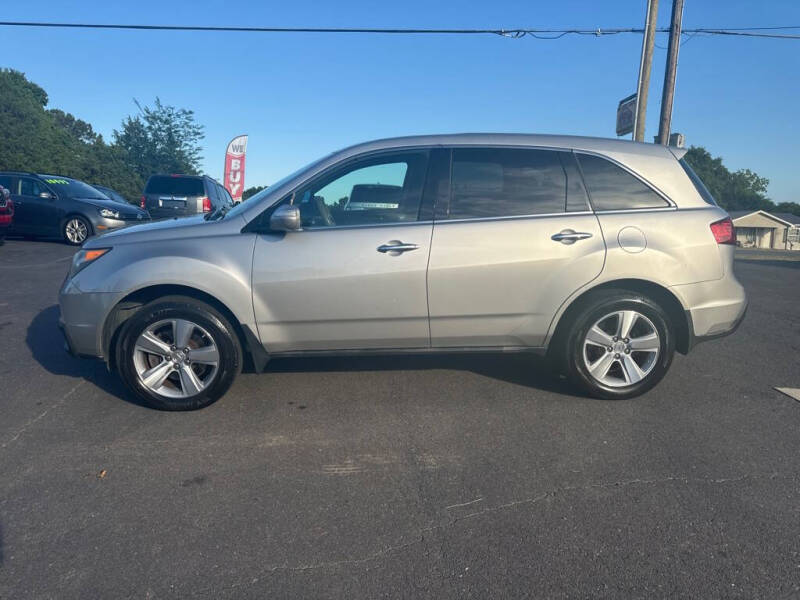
<point>83,258</point>
<point>108,213</point>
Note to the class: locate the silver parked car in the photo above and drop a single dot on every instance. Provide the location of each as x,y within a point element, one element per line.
<point>606,255</point>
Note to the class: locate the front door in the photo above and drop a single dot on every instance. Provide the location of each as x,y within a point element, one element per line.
<point>33,213</point>
<point>515,240</point>
<point>354,277</point>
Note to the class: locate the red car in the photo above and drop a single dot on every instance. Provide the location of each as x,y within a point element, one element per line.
<point>6,212</point>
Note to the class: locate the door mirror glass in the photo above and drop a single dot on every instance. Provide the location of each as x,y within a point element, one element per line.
<point>285,218</point>
<point>47,196</point>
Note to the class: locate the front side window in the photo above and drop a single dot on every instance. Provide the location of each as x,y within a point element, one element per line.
<point>31,187</point>
<point>613,188</point>
<point>501,182</point>
<point>372,191</point>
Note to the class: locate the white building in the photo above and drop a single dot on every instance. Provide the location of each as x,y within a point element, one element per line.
<point>762,229</point>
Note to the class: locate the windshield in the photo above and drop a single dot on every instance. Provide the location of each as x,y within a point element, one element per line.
<point>112,195</point>
<point>243,206</point>
<point>73,188</point>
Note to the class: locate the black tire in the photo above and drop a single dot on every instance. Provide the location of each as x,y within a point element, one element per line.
<point>200,313</point>
<point>65,234</point>
<point>597,306</point>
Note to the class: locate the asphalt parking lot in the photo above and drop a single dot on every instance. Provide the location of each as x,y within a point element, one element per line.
<point>400,477</point>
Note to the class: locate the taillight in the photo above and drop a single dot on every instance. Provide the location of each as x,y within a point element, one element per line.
<point>206,204</point>
<point>723,231</point>
<point>142,202</point>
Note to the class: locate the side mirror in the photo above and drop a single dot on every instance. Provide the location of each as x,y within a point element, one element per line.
<point>286,218</point>
<point>47,196</point>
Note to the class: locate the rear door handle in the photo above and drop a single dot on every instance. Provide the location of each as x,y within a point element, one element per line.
<point>569,236</point>
<point>396,247</point>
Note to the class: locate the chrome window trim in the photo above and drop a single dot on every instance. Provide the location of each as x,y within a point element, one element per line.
<point>636,210</point>
<point>338,227</point>
<point>513,217</point>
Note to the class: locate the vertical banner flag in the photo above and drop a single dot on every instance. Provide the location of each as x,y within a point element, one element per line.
<point>234,167</point>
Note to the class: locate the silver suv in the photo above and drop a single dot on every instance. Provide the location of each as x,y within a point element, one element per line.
<point>606,255</point>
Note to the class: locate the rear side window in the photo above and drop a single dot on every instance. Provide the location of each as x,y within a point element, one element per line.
<point>501,182</point>
<point>10,183</point>
<point>228,196</point>
<point>167,185</point>
<point>698,184</point>
<point>213,194</point>
<point>225,196</point>
<point>613,188</point>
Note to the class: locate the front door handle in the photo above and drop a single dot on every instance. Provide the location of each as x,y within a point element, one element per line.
<point>569,236</point>
<point>396,247</point>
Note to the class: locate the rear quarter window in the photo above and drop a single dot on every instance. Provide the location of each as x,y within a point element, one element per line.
<point>701,188</point>
<point>611,187</point>
<point>175,186</point>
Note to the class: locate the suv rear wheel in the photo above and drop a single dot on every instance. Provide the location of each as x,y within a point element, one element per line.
<point>178,353</point>
<point>620,345</point>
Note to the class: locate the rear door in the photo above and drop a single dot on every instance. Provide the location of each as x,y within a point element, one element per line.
<point>513,240</point>
<point>169,196</point>
<point>33,213</point>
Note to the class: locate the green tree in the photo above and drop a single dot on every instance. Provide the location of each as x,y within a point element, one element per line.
<point>161,139</point>
<point>252,191</point>
<point>733,190</point>
<point>32,139</point>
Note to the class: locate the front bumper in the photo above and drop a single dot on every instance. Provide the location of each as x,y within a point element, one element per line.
<point>82,317</point>
<point>103,224</point>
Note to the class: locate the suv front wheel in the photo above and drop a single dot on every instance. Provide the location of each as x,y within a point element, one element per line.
<point>620,345</point>
<point>178,353</point>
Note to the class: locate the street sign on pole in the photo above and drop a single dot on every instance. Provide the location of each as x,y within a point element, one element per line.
<point>626,115</point>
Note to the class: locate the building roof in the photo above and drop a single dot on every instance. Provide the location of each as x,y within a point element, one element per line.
<point>787,218</point>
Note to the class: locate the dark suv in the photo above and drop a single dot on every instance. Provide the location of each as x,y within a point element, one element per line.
<point>57,206</point>
<point>168,196</point>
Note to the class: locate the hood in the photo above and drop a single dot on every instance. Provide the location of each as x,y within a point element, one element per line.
<point>168,229</point>
<point>128,209</point>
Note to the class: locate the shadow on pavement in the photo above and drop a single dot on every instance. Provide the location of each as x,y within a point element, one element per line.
<point>523,369</point>
<point>47,347</point>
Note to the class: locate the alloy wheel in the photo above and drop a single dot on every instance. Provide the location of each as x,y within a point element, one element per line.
<point>76,231</point>
<point>621,348</point>
<point>176,358</point>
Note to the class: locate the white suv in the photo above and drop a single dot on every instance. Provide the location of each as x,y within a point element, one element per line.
<point>607,255</point>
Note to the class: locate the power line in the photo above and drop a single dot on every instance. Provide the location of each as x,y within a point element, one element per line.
<point>542,34</point>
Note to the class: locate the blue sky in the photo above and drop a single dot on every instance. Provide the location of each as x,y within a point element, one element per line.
<point>302,95</point>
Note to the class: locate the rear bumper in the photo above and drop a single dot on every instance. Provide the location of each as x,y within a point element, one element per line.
<point>714,309</point>
<point>696,339</point>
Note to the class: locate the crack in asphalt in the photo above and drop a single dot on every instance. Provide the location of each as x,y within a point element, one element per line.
<point>32,421</point>
<point>420,534</point>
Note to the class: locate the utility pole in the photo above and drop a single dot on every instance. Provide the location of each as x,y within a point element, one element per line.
<point>645,66</point>
<point>670,72</point>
